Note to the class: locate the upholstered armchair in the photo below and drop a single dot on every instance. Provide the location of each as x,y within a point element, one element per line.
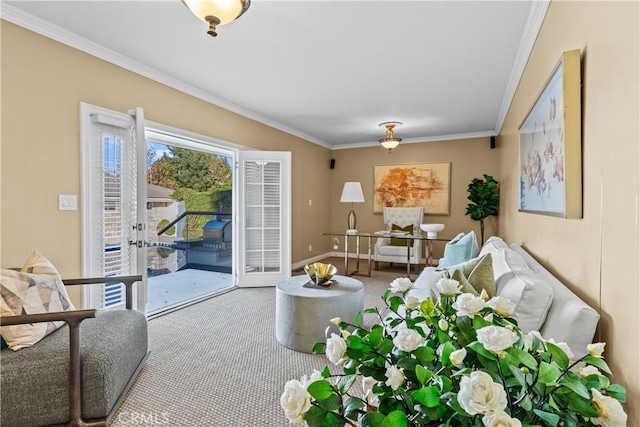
<point>395,250</point>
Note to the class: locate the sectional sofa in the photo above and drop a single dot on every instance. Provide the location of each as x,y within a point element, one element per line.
<point>543,302</point>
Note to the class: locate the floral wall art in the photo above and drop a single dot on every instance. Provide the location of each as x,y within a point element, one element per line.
<point>550,146</point>
<point>424,184</point>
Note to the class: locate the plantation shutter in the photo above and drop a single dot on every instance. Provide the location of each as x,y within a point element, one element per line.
<point>264,218</point>
<point>110,199</point>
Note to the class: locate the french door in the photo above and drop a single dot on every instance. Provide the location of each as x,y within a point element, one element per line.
<point>264,222</point>
<point>113,225</point>
<point>113,199</point>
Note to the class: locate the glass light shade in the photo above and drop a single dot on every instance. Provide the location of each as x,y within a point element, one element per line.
<point>225,10</point>
<point>390,143</point>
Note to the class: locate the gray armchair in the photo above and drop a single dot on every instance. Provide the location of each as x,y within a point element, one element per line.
<point>387,252</point>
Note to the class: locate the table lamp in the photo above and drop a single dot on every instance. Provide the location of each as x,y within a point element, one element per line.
<point>352,193</point>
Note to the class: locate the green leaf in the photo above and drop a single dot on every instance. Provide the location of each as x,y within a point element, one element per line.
<point>424,354</point>
<point>523,357</point>
<point>548,374</point>
<point>326,373</point>
<point>427,396</point>
<point>385,347</point>
<point>374,372</point>
<point>479,348</point>
<point>371,419</point>
<point>427,306</point>
<point>617,392</point>
<point>526,404</point>
<point>331,403</point>
<point>370,310</point>
<point>375,336</point>
<point>356,320</point>
<point>447,349</point>
<point>557,355</point>
<point>582,407</point>
<point>320,390</point>
<point>572,382</point>
<point>352,407</point>
<point>436,413</point>
<point>395,302</point>
<point>345,383</point>
<point>395,419</point>
<point>479,322</point>
<point>453,404</point>
<point>519,375</point>
<point>548,417</point>
<point>354,342</point>
<point>318,347</point>
<point>598,363</point>
<point>423,374</point>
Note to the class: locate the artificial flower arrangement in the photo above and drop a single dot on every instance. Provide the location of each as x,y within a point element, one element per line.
<point>458,361</point>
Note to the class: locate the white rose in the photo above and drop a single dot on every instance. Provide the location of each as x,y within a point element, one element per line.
<point>295,401</point>
<point>610,412</point>
<point>596,349</point>
<point>457,357</point>
<point>496,339</point>
<point>449,287</point>
<point>443,324</point>
<point>502,306</point>
<point>408,340</point>
<point>395,377</point>
<point>468,305</point>
<point>336,347</point>
<point>564,347</point>
<point>589,370</point>
<point>367,388</point>
<point>401,285</point>
<point>411,303</point>
<point>479,394</point>
<point>500,419</point>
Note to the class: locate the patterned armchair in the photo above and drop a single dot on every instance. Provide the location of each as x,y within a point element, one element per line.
<point>387,250</point>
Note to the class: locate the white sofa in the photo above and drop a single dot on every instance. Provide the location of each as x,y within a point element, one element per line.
<point>543,302</point>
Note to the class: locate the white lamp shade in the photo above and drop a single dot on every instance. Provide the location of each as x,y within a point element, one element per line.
<point>225,10</point>
<point>390,144</point>
<point>352,193</point>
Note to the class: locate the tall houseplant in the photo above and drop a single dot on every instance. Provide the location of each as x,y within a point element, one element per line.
<point>484,197</point>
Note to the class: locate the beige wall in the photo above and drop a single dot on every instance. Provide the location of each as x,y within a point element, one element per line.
<point>596,256</point>
<point>43,83</point>
<point>470,158</point>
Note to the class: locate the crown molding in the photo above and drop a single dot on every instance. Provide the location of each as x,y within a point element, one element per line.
<point>451,137</point>
<point>40,26</point>
<point>532,28</point>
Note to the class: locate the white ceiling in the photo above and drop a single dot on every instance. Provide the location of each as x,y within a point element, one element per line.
<point>327,71</point>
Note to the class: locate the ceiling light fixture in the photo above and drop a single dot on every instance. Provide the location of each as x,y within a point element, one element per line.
<point>389,141</point>
<point>217,12</point>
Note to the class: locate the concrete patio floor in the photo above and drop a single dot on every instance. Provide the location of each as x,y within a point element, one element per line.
<point>168,290</point>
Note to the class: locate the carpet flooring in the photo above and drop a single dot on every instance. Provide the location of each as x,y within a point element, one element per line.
<point>217,362</point>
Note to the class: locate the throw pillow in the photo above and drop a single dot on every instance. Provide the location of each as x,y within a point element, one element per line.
<point>475,275</point>
<point>401,242</point>
<point>460,251</point>
<point>29,293</point>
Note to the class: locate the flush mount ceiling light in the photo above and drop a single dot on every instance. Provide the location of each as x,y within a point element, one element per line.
<point>389,141</point>
<point>217,12</point>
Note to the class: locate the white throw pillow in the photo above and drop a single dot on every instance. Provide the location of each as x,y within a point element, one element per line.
<point>532,294</point>
<point>31,293</point>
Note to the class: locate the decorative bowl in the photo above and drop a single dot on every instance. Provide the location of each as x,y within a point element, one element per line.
<point>432,230</point>
<point>319,273</point>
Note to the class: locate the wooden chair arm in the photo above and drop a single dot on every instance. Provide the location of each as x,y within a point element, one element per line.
<point>72,316</point>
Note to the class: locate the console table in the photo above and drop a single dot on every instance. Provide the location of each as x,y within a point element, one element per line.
<point>369,236</point>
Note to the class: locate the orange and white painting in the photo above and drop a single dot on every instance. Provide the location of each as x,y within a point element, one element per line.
<point>424,184</point>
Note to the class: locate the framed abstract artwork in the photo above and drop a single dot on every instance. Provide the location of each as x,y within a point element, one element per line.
<point>551,145</point>
<point>422,184</point>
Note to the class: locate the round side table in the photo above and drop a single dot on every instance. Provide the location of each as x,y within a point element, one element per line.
<point>303,314</point>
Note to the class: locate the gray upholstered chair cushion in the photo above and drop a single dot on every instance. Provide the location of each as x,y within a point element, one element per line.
<point>35,380</point>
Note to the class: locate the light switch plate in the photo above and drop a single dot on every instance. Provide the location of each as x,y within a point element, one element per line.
<point>67,202</point>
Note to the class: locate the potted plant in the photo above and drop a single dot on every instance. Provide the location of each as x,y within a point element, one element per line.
<point>484,197</point>
<point>459,361</point>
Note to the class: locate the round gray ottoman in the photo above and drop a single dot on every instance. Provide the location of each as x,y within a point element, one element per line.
<point>303,314</point>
